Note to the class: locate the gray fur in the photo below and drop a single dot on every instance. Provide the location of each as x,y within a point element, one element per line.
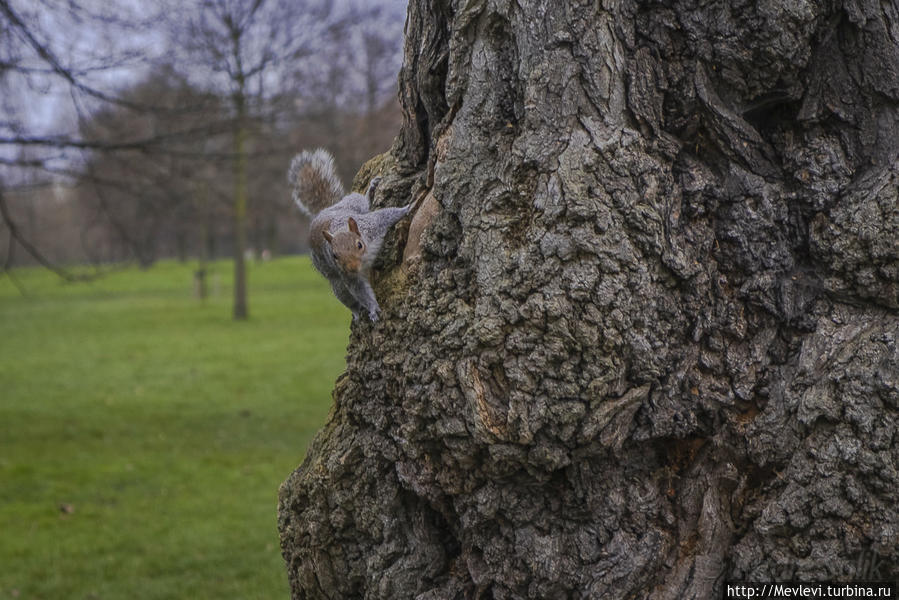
<point>316,187</point>
<point>355,292</point>
<point>332,212</point>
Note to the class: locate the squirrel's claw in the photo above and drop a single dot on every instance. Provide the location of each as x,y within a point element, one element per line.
<point>372,186</point>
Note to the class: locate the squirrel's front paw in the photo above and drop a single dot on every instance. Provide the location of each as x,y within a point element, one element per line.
<point>373,315</point>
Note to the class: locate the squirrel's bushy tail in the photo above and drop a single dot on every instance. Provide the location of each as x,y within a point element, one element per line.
<point>314,182</point>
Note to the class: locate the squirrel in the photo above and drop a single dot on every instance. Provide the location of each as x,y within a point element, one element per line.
<point>345,235</point>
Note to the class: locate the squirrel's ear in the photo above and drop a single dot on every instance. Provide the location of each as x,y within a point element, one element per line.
<point>353,226</point>
<point>329,237</point>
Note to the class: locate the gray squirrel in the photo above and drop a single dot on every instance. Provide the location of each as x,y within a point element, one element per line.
<point>345,235</point>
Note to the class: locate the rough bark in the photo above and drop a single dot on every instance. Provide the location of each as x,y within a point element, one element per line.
<point>647,342</point>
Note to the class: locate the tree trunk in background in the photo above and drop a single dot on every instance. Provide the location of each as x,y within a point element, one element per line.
<point>201,199</point>
<point>650,343</point>
<point>240,207</point>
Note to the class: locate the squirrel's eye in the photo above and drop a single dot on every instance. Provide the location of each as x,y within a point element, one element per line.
<point>359,245</point>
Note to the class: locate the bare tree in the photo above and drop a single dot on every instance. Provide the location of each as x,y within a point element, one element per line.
<point>148,194</point>
<point>248,48</point>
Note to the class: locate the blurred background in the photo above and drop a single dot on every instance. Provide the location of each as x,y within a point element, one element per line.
<point>166,352</point>
<point>117,140</point>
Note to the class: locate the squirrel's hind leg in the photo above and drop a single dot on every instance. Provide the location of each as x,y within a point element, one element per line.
<point>356,203</point>
<point>353,204</point>
<point>372,186</point>
<point>387,217</point>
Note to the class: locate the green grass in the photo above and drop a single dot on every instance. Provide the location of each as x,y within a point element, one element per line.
<point>162,427</point>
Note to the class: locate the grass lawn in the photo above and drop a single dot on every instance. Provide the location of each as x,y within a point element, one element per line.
<point>143,434</point>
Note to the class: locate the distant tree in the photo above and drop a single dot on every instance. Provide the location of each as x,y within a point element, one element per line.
<point>245,46</point>
<point>148,195</point>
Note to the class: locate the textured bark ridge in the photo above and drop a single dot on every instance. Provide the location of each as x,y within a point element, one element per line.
<point>647,340</point>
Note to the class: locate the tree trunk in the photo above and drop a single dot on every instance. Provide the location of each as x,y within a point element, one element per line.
<point>649,341</point>
<point>201,206</point>
<point>240,208</point>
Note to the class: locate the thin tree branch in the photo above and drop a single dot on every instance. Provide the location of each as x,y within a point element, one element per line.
<point>68,75</point>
